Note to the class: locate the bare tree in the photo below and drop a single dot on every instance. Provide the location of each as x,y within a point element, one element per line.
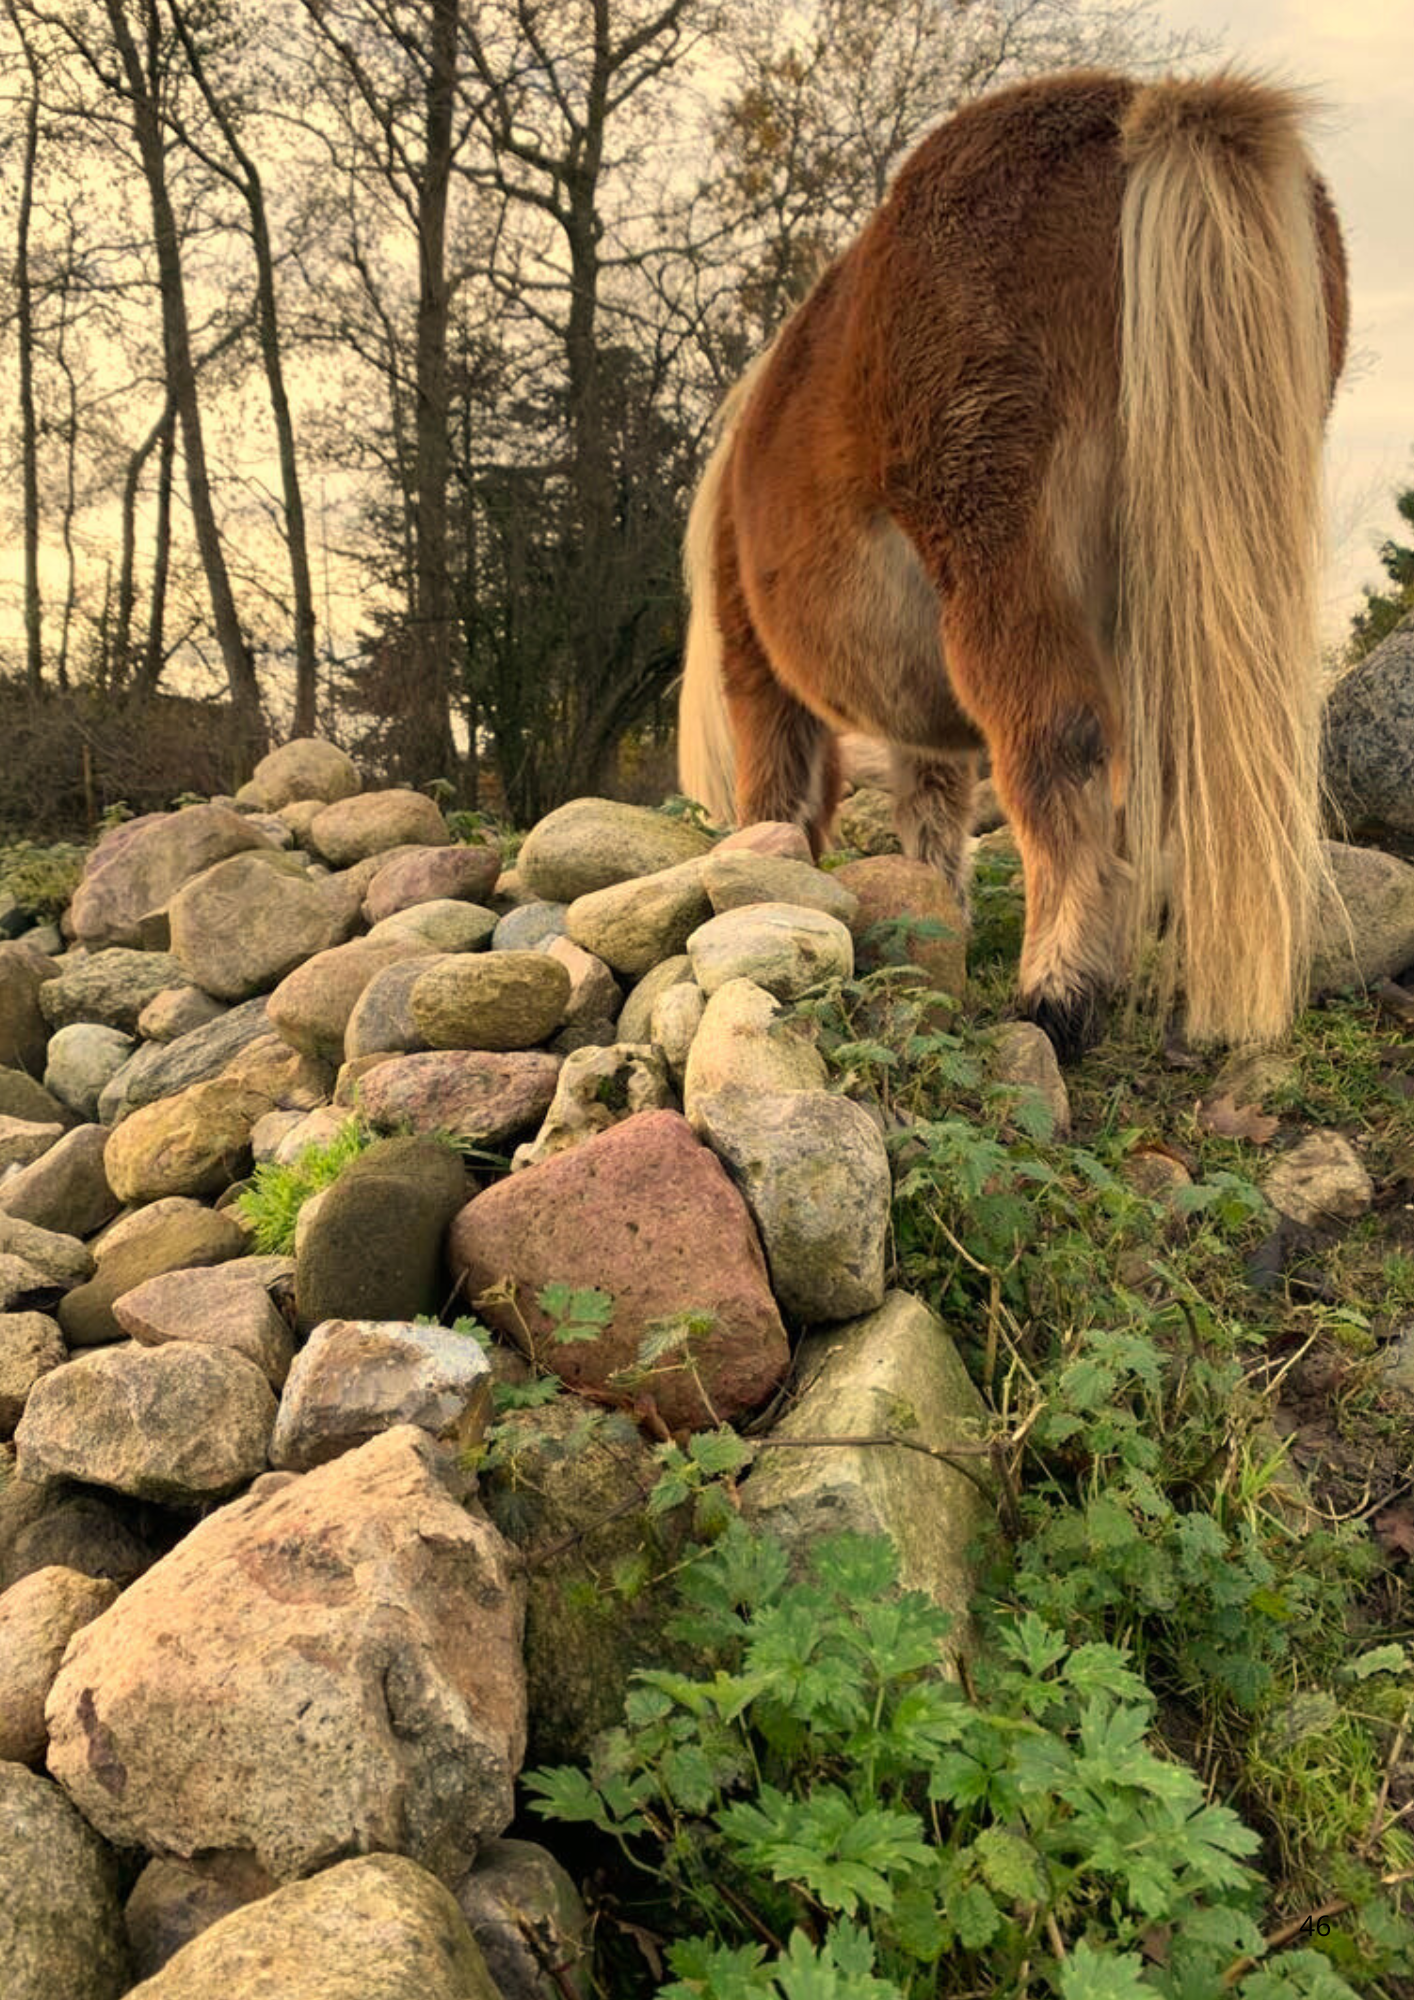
<point>398,109</point>
<point>824,105</point>
<point>572,111</point>
<point>130,65</point>
<point>195,21</point>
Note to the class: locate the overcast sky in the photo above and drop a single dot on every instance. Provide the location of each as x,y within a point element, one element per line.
<point>1359,56</point>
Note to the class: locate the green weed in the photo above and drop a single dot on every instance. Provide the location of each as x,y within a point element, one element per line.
<point>42,880</point>
<point>272,1202</point>
<point>832,1816</point>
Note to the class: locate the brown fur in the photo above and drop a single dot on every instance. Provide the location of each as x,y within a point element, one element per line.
<point>939,517</point>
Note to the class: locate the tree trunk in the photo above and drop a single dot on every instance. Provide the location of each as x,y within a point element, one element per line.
<point>181,376</point>
<point>121,651</point>
<point>70,507</point>
<point>296,532</point>
<point>432,597</point>
<point>29,428</point>
<point>589,469</point>
<point>153,655</point>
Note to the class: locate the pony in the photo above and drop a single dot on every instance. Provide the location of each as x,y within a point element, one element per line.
<point>1035,468</point>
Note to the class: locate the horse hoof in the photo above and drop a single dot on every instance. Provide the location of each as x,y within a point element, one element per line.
<point>1073,1025</point>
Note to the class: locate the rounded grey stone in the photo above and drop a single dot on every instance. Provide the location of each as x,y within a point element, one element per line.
<point>780,946</point>
<point>590,843</point>
<point>529,925</point>
<point>62,1925</point>
<point>82,1059</point>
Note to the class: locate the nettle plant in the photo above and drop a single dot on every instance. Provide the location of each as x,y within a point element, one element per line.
<point>836,1819</point>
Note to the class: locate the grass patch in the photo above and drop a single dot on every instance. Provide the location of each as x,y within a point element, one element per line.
<point>42,880</point>
<point>272,1202</point>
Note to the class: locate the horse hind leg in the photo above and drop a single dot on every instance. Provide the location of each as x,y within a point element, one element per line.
<point>787,762</point>
<point>934,795</point>
<point>787,759</point>
<point>1025,663</point>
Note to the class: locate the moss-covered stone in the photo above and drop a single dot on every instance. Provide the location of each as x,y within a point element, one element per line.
<point>374,1249</point>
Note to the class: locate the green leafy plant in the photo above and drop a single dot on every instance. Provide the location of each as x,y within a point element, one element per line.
<point>831,1815</point>
<point>42,880</point>
<point>691,813</point>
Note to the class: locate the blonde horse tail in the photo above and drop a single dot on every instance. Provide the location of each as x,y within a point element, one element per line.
<point>706,750</point>
<point>1225,382</point>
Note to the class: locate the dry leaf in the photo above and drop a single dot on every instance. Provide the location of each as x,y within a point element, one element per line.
<point>1178,1055</point>
<point>1233,1121</point>
<point>1394,1530</point>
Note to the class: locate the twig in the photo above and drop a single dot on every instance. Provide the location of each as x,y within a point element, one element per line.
<point>748,1915</point>
<point>992,1449</point>
<point>1240,1967</point>
<point>1377,1818</point>
<point>1395,1001</point>
<point>964,1448</point>
<point>536,1558</point>
<point>1286,1932</point>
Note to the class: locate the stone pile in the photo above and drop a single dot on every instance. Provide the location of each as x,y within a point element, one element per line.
<point>256,1617</point>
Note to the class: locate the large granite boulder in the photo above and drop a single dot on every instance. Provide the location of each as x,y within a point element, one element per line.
<point>497,1000</point>
<point>137,868</point>
<point>527,1915</point>
<point>373,1249</point>
<point>598,1087</point>
<point>1369,932</point>
<point>895,1372</point>
<point>24,1027</point>
<point>1370,743</point>
<point>181,1424</point>
<point>31,1346</point>
<point>312,1005</point>
<point>81,1061</point>
<point>172,1235</point>
<point>239,927</point>
<point>781,946</point>
<point>224,1305</point>
<point>907,915</point>
<point>355,829</point>
<point>306,768</point>
<point>744,1042</point>
<point>66,1189</point>
<point>431,875</point>
<point>354,1378</point>
<point>195,1143</point>
<point>161,1069</point>
<point>475,1096</point>
<point>343,1651</point>
<point>816,1178</point>
<point>591,843</point>
<point>38,1617</point>
<point>571,1493</point>
<point>375,1928</point>
<point>111,987</point>
<point>635,925</point>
